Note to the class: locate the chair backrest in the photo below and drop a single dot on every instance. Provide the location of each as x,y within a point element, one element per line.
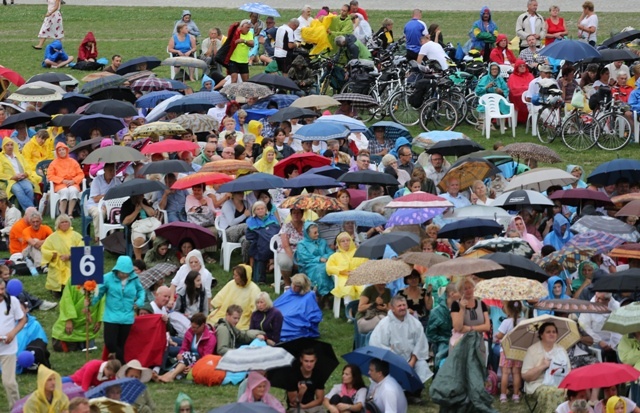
<point>351,309</point>
<point>42,169</point>
<point>491,102</point>
<point>274,243</point>
<point>505,70</point>
<point>113,206</point>
<point>222,233</point>
<point>84,198</point>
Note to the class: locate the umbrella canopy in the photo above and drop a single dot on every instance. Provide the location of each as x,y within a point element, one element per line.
<point>323,131</point>
<point>516,265</point>
<point>315,102</point>
<point>246,90</point>
<point>399,241</point>
<point>134,187</point>
<point>464,266</point>
<point>108,125</point>
<point>113,154</point>
<point>455,147</point>
<point>12,76</point>
<point>151,99</point>
<point>101,84</point>
<point>602,242</point>
<point>32,93</point>
<point>378,272</point>
<point>413,216</point>
<point>426,140</point>
<point>480,211</point>
<point>612,55</point>
<point>255,358</point>
<point>151,84</point>
<point>50,77</point>
<point>175,232</point>
<point>274,81</point>
<point>96,75</point>
<point>111,107</point>
<point>157,272</point>
<point>326,361</point>
<point>228,166</point>
<point>117,93</point>
<point>279,100</point>
<point>624,320</point>
<point>516,200</point>
<point>196,122</point>
<point>527,150</point>
<point>539,179</point>
<point>623,281</point>
<point>622,37</point>
<point>131,389</point>
<point>419,199</point>
<point>392,130</point>
<point>567,257</point>
<point>29,118</point>
<point>165,167</point>
<point>516,246</point>
<point>311,181</point>
<point>570,50</point>
<point>609,173</point>
<point>361,218</point>
<point>368,177</point>
<point>207,178</point>
<point>510,289</point>
<point>468,171</point>
<point>213,97</point>
<point>599,376</point>
<point>571,305</point>
<point>300,160</point>
<point>311,201</point>
<point>252,182</point>
<point>424,259</point>
<point>330,171</point>
<point>399,369</point>
<point>632,208</point>
<point>244,407</point>
<point>626,251</point>
<point>33,86</point>
<point>159,129</point>
<point>137,64</point>
<point>518,340</point>
<point>356,99</point>
<point>291,113</point>
<point>185,61</point>
<point>495,157</point>
<point>169,146</point>
<point>65,121</point>
<point>259,8</point>
<point>70,101</point>
<point>470,228</point>
<point>354,125</point>
<point>577,196</point>
<point>606,224</point>
<point>88,144</point>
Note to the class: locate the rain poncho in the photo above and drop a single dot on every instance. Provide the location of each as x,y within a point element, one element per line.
<point>206,79</point>
<point>479,40</point>
<point>262,165</point>
<point>62,169</point>
<point>341,262</point>
<point>183,398</point>
<point>563,296</point>
<point>34,153</point>
<point>54,52</point>
<point>153,258</point>
<point>38,402</point>
<point>316,33</point>
<point>300,313</point>
<point>533,241</point>
<point>498,83</point>
<point>556,238</point>
<point>400,142</point>
<point>307,256</point>
<point>32,330</point>
<point>518,84</point>
<point>86,51</point>
<point>340,27</point>
<point>71,308</point>
<point>501,55</point>
<point>580,183</point>
<point>363,32</point>
<point>255,128</point>
<point>579,277</point>
<point>232,293</point>
<point>254,380</point>
<point>259,234</point>
<point>7,170</point>
<point>59,243</point>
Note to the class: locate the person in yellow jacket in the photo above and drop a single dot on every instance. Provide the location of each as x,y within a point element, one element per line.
<point>56,252</point>
<point>21,180</point>
<point>340,263</point>
<point>48,396</point>
<point>38,149</point>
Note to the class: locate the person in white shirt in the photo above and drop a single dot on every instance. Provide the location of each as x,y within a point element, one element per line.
<point>432,51</point>
<point>592,324</point>
<point>573,396</point>
<point>609,392</point>
<point>159,304</point>
<point>12,319</point>
<point>534,85</point>
<point>615,68</point>
<point>588,24</point>
<point>384,389</point>
<point>285,43</point>
<point>304,20</point>
<point>453,194</point>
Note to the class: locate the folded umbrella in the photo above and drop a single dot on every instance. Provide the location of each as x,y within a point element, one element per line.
<point>311,181</point>
<point>470,228</point>
<point>175,232</point>
<point>606,224</point>
<point>602,242</point>
<point>300,160</point>
<point>165,167</point>
<point>158,272</point>
<point>169,146</point>
<point>111,107</point>
<point>413,216</point>
<point>599,376</point>
<point>571,305</point>
<point>29,118</point>
<point>460,267</point>
<point>623,281</point>
<point>399,369</point>
<point>361,218</point>
<point>381,271</point>
<point>368,177</point>
<point>539,179</point>
<point>455,147</point>
<point>624,320</point>
<point>519,199</point>
<point>608,173</point>
<point>134,187</point>
<point>516,266</point>
<point>518,340</point>
<point>207,178</point>
<point>252,182</point>
<point>399,241</point>
<point>106,124</point>
<point>113,154</point>
<point>510,289</point>
<point>248,358</point>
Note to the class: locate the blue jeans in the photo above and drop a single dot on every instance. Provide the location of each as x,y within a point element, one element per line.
<point>23,190</point>
<point>174,216</point>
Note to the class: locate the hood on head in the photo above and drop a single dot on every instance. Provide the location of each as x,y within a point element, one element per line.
<point>491,65</point>
<point>62,145</point>
<point>307,225</point>
<point>570,168</point>
<point>299,61</point>
<point>182,397</point>
<point>512,225</point>
<point>197,254</point>
<point>56,44</point>
<point>255,127</point>
<point>185,13</point>
<point>352,245</point>
<point>124,264</point>
<point>502,37</point>
<point>43,375</point>
<point>584,264</point>
<point>400,142</point>
<point>551,282</point>
<point>205,79</point>
<point>558,221</point>
<point>517,64</point>
<point>106,142</point>
<point>249,271</point>
<point>157,242</point>
<point>253,380</point>
<point>89,37</point>
<point>483,9</point>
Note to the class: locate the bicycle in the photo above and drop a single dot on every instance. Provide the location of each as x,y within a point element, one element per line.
<point>616,130</point>
<point>438,113</point>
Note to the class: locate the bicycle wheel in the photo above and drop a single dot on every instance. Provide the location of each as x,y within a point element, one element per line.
<point>438,115</point>
<point>459,102</point>
<point>580,132</point>
<point>615,131</point>
<point>548,122</point>
<point>472,115</point>
<point>401,110</point>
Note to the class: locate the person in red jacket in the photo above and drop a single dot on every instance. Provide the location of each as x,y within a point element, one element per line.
<point>501,53</point>
<point>95,372</point>
<point>88,49</point>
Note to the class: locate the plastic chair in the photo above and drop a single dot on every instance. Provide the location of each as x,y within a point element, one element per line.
<point>491,104</point>
<point>105,223</point>
<point>54,198</point>
<point>636,127</point>
<point>277,273</point>
<point>336,300</point>
<point>532,118</point>
<point>227,247</point>
<point>173,71</point>
<point>359,340</point>
<point>505,71</point>
<point>86,219</point>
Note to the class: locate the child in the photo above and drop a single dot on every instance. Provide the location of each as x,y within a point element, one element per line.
<point>513,310</point>
<point>94,372</point>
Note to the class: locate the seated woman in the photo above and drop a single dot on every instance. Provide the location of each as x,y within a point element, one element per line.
<point>88,50</point>
<point>517,223</point>
<point>160,253</point>
<point>267,162</point>
<point>241,291</point>
<point>48,396</point>
<point>469,313</point>
<point>442,245</point>
<point>419,300</point>
<point>258,392</point>
<point>198,342</point>
<point>372,307</point>
<point>191,296</point>
<point>185,246</point>
<point>560,233</point>
<point>300,310</point>
<point>229,335</point>
<point>200,208</point>
<point>56,253</point>
<point>479,189</point>
<point>567,82</point>
<point>261,227</point>
<point>543,368</point>
<point>194,262</point>
<point>583,273</point>
<point>518,84</point>
<point>267,318</point>
<point>340,264</point>
<point>235,212</point>
<point>348,396</point>
<point>55,56</point>
<point>21,181</point>
<point>183,44</point>
<point>135,209</point>
<point>67,176</point>
<point>291,234</point>
<point>95,372</point>
<point>492,82</point>
<point>501,54</point>
<point>311,256</point>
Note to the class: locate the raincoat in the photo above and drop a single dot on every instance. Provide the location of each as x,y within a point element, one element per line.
<point>59,243</point>
<point>182,397</point>
<point>230,337</point>
<point>7,170</point>
<point>259,234</point>
<point>38,402</point>
<point>563,296</point>
<point>556,238</point>
<point>206,79</point>
<point>184,270</point>
<point>400,142</point>
<point>84,51</point>
<point>580,183</point>
<point>340,27</point>
<point>255,128</point>
<point>518,84</point>
<point>34,153</point>
<point>300,73</point>
<point>232,293</point>
<point>579,279</point>
<point>31,331</point>
<point>62,169</point>
<point>253,381</point>
<point>307,256</point>
<point>440,324</point>
<point>316,33</point>
<point>340,263</point>
<point>300,313</point>
<point>262,165</point>
<point>71,308</point>
<point>152,257</point>
<point>478,40</point>
<point>500,55</point>
<point>54,52</point>
<point>206,344</point>
<point>91,374</point>
<point>532,240</point>
<point>120,298</point>
<point>498,82</point>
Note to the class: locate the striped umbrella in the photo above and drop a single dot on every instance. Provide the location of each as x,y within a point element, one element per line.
<point>602,242</point>
<point>150,84</point>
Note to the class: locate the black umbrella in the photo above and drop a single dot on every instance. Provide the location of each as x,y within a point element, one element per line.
<point>65,121</point>
<point>515,265</point>
<point>70,101</point>
<point>399,241</point>
<point>29,118</point>
<point>111,107</point>
<point>101,84</point>
<point>133,187</point>
<point>330,171</point>
<point>612,55</point>
<point>274,81</point>
<point>89,144</point>
<point>177,85</point>
<point>455,147</point>
<point>327,361</point>
<point>108,125</point>
<point>115,93</point>
<point>517,200</point>
<point>151,62</point>
<point>623,281</point>
<point>50,77</point>
<point>368,177</point>
<point>189,105</point>
<point>623,37</point>
<point>469,228</point>
<point>165,167</point>
<point>291,112</point>
<point>311,181</point>
<point>608,173</point>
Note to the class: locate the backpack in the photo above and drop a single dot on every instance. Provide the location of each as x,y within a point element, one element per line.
<point>423,89</point>
<point>41,353</point>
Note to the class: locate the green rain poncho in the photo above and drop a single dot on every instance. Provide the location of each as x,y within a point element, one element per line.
<point>71,306</point>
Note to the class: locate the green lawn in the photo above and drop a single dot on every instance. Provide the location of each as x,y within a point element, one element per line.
<point>135,31</point>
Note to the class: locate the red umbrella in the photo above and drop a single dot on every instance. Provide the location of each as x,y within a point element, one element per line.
<point>599,375</point>
<point>300,160</point>
<point>170,145</point>
<point>175,232</point>
<point>576,197</point>
<point>207,178</point>
<point>419,200</point>
<point>11,76</point>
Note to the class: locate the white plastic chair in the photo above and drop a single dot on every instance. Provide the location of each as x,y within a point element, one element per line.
<point>54,198</point>
<point>505,71</point>
<point>336,300</point>
<point>491,104</point>
<point>105,225</point>
<point>532,118</point>
<point>227,247</point>
<point>277,273</point>
<point>173,71</point>
<point>636,127</point>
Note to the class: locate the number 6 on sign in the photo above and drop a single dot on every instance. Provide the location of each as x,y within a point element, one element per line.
<point>87,264</point>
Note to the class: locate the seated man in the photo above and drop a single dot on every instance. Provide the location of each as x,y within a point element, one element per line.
<point>593,323</point>
<point>34,236</point>
<point>432,51</point>
<point>384,389</point>
<point>55,56</point>
<point>9,216</point>
<point>228,336</point>
<point>301,74</point>
<point>305,390</point>
<point>453,194</point>
<point>16,240</point>
<point>173,200</point>
<point>99,187</point>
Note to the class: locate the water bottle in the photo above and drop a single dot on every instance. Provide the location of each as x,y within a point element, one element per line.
<point>31,266</point>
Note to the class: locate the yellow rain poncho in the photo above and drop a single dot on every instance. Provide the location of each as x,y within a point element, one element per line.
<point>255,127</point>
<point>232,293</point>
<point>59,243</point>
<point>38,402</point>
<point>340,263</point>
<point>7,170</point>
<point>316,33</point>
<point>263,165</point>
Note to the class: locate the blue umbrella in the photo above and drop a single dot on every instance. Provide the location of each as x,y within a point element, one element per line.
<point>188,105</point>
<point>253,182</point>
<point>608,173</point>
<point>259,114</point>
<point>354,125</point>
<point>131,389</point>
<point>175,84</point>
<point>392,130</point>
<point>212,97</point>
<point>281,101</point>
<point>470,227</point>
<point>361,218</point>
<point>71,101</point>
<point>130,65</point>
<point>311,181</point>
<point>150,100</point>
<point>260,8</point>
<point>108,125</point>
<point>399,369</point>
<point>570,50</point>
<point>330,171</point>
<point>413,216</point>
<point>321,132</point>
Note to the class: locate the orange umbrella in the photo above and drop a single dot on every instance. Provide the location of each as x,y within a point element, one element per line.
<point>207,178</point>
<point>98,75</point>
<point>228,166</point>
<point>311,201</point>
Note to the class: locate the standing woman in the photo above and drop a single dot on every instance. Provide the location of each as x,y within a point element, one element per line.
<point>555,26</point>
<point>123,292</point>
<point>52,24</point>
<point>56,252</point>
<point>588,24</point>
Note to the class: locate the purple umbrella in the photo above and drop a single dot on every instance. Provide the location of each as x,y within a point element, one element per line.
<point>601,241</point>
<point>413,216</point>
<point>175,232</point>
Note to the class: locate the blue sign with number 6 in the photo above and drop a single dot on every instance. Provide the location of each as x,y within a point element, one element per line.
<point>87,264</point>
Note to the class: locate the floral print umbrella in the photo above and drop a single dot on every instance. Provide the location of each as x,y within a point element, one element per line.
<point>413,216</point>
<point>311,201</point>
<point>510,289</point>
<point>378,272</point>
<point>527,150</point>
<point>568,257</point>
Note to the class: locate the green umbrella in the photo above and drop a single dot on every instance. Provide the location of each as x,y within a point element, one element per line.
<point>624,320</point>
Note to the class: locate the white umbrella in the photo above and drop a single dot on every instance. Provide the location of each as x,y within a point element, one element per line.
<point>520,198</point>
<point>479,211</point>
<point>158,111</point>
<point>255,358</point>
<point>539,179</point>
<point>354,125</point>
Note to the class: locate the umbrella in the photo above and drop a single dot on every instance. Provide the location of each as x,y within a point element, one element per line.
<point>495,157</point>
<point>622,37</point>
<point>326,361</point>
<point>368,177</point>
<point>599,376</point>
<point>423,259</point>
<point>527,150</point>
<point>157,272</point>
<point>632,208</point>
<point>108,125</point>
<point>207,178</point>
<point>111,107</point>
<point>464,266</point>
<point>185,61</point>
<point>570,50</point>
<point>399,241</point>
<point>571,305</point>
<point>113,154</point>
<point>116,93</point>
<point>469,171</point>
<point>255,358</point>
<point>189,105</point>
<point>315,101</point>
<point>626,251</point>
<point>510,289</point>
<point>137,64</point>
<point>323,131</point>
<point>608,173</point>
<point>159,129</point>
<point>356,99</point>
<point>165,167</point>
<point>212,97</point>
<point>311,181</point>
<point>259,8</point>
<point>539,179</point>
<point>392,130</point>
<point>311,201</point>
<point>244,407</point>
<point>278,100</point>
<point>602,242</point>
<point>300,160</point>
<point>361,218</point>
<point>330,171</point>
<point>177,85</point>
<point>612,55</point>
<point>29,118</point>
<point>197,122</point>
<point>228,166</point>
<point>96,75</point>
<point>419,199</point>
<point>31,87</point>
<point>101,84</point>
<point>367,205</point>
<point>50,77</point>
<point>274,81</point>
<point>134,187</point>
<point>480,211</point>
<point>31,93</point>
<point>88,144</point>
<point>567,257</point>
<point>252,182</point>
<point>70,101</point>
<point>354,125</point>
<point>174,232</point>
<point>518,340</point>
<point>169,146</point>
<point>606,224</point>
<point>65,121</point>
<point>624,320</point>
<point>516,246</point>
<point>378,272</point>
<point>131,389</point>
<point>470,228</point>
<point>575,197</point>
<point>133,76</point>
<point>516,200</point>
<point>623,281</point>
<point>11,76</point>
<point>620,200</point>
<point>413,216</point>
<point>455,147</point>
<point>399,369</point>
<point>427,139</point>
<point>246,90</point>
<point>151,84</point>
<point>515,265</point>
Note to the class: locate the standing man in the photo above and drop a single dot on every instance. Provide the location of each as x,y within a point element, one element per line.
<point>354,8</point>
<point>453,194</point>
<point>384,389</point>
<point>12,319</point>
<point>284,46</point>
<point>239,59</point>
<point>305,390</point>
<point>530,22</point>
<point>413,31</point>
<point>304,20</point>
<point>116,61</point>
<point>341,25</point>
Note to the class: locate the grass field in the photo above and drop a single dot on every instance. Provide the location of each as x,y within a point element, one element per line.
<point>137,31</point>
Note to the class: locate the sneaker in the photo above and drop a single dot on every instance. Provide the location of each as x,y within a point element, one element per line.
<point>47,305</point>
<point>503,398</point>
<point>515,398</point>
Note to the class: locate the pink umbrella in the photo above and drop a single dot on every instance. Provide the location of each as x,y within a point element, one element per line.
<point>419,200</point>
